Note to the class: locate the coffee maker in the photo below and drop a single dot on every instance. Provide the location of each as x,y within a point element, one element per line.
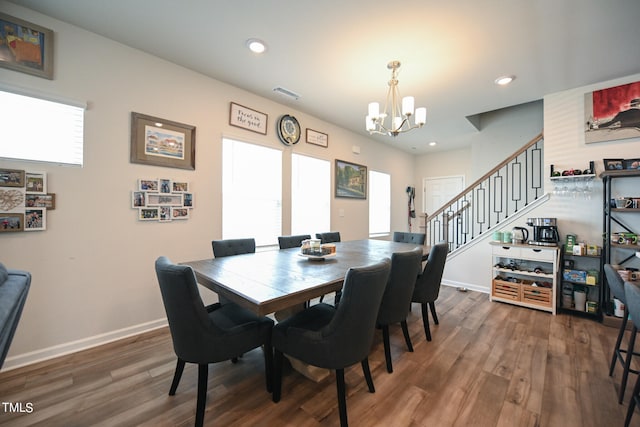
<point>545,231</point>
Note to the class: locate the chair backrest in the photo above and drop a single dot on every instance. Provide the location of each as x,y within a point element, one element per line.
<point>190,326</point>
<point>396,300</point>
<point>14,287</point>
<point>347,339</point>
<point>328,237</point>
<point>428,284</point>
<point>229,247</point>
<point>287,242</point>
<point>615,282</point>
<point>632,292</point>
<point>417,238</point>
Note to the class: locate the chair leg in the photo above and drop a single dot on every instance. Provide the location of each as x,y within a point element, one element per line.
<point>342,398</point>
<point>425,321</point>
<point>277,375</point>
<point>627,363</point>
<point>633,402</point>
<point>432,306</point>
<point>387,347</point>
<point>616,349</point>
<point>407,338</point>
<point>336,301</point>
<point>367,374</point>
<point>203,373</point>
<point>176,377</point>
<point>268,363</point>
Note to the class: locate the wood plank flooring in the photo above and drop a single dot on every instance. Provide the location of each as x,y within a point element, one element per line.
<point>489,364</point>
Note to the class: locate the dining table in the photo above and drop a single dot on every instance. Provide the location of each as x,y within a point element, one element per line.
<point>272,280</point>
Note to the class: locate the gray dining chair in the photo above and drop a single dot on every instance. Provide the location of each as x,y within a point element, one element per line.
<point>402,237</point>
<point>286,242</point>
<point>335,337</point>
<point>205,335</point>
<point>14,288</point>
<point>328,237</point>
<point>230,247</point>
<point>632,292</point>
<point>396,300</point>
<point>428,284</point>
<point>624,355</point>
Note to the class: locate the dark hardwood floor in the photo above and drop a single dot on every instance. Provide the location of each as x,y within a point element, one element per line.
<point>489,364</point>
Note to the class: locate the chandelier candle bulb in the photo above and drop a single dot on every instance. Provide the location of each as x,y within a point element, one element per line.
<point>421,116</point>
<point>407,105</point>
<point>374,110</point>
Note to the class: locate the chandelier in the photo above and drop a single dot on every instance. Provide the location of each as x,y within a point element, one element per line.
<point>400,114</point>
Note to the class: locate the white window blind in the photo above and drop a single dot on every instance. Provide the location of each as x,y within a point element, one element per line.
<point>34,128</point>
<point>310,195</point>
<point>251,192</point>
<point>379,203</point>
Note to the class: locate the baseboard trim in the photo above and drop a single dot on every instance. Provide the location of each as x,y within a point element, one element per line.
<point>25,359</point>
<point>468,286</point>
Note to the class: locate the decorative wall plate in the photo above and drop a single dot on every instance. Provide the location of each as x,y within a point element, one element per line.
<point>288,130</point>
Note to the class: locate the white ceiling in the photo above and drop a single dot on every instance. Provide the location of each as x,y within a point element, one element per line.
<point>334,53</point>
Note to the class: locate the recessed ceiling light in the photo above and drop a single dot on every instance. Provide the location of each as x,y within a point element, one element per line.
<point>433,143</point>
<point>256,46</point>
<point>504,80</point>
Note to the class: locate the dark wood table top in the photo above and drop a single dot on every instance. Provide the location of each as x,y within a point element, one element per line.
<point>268,281</point>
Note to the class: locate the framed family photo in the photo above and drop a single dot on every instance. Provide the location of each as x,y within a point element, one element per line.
<point>351,180</point>
<point>161,142</point>
<point>26,47</point>
<point>11,178</point>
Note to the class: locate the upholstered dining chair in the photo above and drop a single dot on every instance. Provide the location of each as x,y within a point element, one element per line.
<point>14,287</point>
<point>417,238</point>
<point>428,284</point>
<point>286,242</point>
<point>205,335</point>
<point>396,300</point>
<point>335,337</point>
<point>632,293</point>
<point>230,247</point>
<point>616,285</point>
<point>328,237</point>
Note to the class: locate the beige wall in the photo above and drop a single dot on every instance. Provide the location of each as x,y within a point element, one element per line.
<point>93,277</point>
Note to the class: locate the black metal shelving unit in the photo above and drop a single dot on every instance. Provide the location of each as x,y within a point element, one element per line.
<point>594,292</point>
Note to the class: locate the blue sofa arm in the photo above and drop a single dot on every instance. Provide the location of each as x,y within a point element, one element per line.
<point>14,286</point>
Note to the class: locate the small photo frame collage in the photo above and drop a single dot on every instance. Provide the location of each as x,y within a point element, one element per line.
<point>162,199</point>
<point>24,201</point>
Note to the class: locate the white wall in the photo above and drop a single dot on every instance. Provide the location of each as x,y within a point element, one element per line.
<point>93,276</point>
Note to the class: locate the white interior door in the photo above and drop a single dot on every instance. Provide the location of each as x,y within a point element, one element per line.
<point>437,191</point>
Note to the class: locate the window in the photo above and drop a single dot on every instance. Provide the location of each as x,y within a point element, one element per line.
<point>251,192</point>
<point>379,203</point>
<point>310,195</point>
<point>38,129</point>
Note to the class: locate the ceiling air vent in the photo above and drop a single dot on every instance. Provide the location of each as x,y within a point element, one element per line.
<point>286,92</point>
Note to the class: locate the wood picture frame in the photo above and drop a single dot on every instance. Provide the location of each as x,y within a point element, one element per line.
<point>11,222</point>
<point>11,178</point>
<point>317,138</point>
<point>26,47</point>
<point>350,180</point>
<point>34,200</point>
<point>247,118</point>
<point>160,142</point>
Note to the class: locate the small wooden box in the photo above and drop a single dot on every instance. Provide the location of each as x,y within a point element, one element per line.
<point>506,290</point>
<point>536,295</point>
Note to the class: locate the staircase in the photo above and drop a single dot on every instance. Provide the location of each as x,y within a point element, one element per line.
<point>508,189</point>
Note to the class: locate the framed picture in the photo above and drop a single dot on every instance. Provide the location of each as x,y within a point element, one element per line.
<point>138,199</point>
<point>187,200</point>
<point>164,213</point>
<point>179,187</point>
<point>351,180</point>
<point>180,213</point>
<point>36,182</point>
<point>612,113</point>
<point>317,138</point>
<point>40,201</point>
<point>160,142</point>
<point>613,164</point>
<point>11,222</point>
<point>148,214</point>
<point>11,178</point>
<point>246,118</point>
<point>165,185</point>
<point>148,184</point>
<point>26,47</point>
<point>35,219</point>
<point>632,164</point>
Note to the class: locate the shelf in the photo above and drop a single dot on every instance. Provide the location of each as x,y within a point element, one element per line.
<point>524,273</point>
<point>620,174</point>
<point>582,256</point>
<point>586,177</point>
<point>580,283</point>
<point>628,247</point>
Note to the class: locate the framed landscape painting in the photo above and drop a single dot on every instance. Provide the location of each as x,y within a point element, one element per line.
<point>351,180</point>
